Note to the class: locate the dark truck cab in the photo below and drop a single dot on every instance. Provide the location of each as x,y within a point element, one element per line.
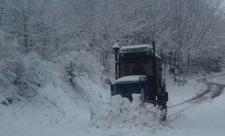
<point>138,70</point>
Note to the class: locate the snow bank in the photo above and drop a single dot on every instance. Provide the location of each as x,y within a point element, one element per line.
<point>120,113</point>
<point>38,99</point>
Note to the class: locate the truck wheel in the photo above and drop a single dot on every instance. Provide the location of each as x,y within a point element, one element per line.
<point>130,97</point>
<point>163,115</point>
<point>163,109</point>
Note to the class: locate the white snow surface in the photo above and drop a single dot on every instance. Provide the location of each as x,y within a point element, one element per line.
<point>116,45</point>
<point>137,48</point>
<point>59,110</point>
<point>131,78</point>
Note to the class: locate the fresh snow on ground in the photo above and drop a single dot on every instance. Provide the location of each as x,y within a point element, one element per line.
<point>206,119</point>
<point>60,110</point>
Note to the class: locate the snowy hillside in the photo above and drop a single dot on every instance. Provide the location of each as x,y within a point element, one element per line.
<point>39,97</point>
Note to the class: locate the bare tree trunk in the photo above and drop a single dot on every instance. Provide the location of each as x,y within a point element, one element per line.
<point>188,61</point>
<point>104,54</point>
<point>25,32</point>
<point>2,3</point>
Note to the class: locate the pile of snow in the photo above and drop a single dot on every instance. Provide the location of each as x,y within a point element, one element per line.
<point>120,113</point>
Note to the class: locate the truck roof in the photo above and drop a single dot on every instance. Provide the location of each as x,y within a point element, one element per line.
<point>137,48</point>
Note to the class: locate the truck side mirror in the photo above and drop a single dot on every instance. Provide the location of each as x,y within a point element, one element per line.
<point>108,81</point>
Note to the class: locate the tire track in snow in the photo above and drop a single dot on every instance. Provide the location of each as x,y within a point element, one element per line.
<point>197,97</point>
<point>212,91</point>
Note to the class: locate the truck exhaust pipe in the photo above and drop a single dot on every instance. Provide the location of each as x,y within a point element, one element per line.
<point>116,49</point>
<point>155,72</point>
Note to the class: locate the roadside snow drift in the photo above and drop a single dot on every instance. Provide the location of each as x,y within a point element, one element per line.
<point>120,113</point>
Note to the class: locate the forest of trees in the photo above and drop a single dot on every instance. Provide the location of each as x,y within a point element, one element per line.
<point>188,33</point>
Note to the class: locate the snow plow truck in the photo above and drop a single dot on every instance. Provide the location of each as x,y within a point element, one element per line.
<point>138,70</point>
